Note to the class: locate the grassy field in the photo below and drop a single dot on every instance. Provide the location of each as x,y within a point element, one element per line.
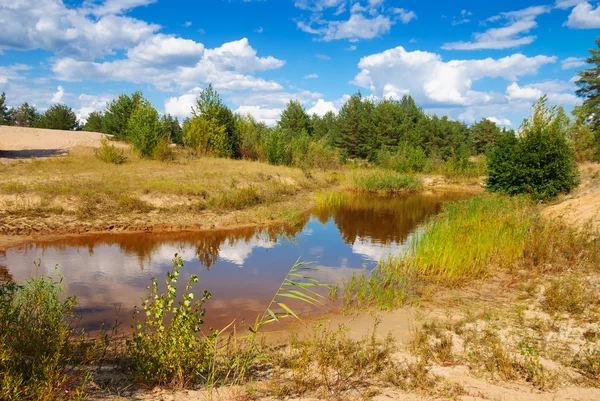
<point>206,192</point>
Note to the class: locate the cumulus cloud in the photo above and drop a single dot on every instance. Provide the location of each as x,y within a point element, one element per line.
<point>227,67</point>
<point>517,24</point>
<point>430,80</point>
<point>321,107</point>
<point>81,33</point>
<point>532,92</point>
<point>90,103</point>
<point>584,16</point>
<point>58,96</point>
<point>504,122</point>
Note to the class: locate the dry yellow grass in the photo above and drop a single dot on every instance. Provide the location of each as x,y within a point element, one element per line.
<point>65,194</point>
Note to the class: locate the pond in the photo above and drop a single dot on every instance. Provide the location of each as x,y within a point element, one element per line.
<point>242,269</point>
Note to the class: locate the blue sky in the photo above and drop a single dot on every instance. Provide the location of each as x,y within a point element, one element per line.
<point>469,59</point>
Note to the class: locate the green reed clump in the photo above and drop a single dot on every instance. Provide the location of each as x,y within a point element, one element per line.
<point>388,286</point>
<point>383,181</point>
<point>331,199</point>
<point>468,237</point>
<point>236,199</point>
<point>167,347</point>
<point>42,353</point>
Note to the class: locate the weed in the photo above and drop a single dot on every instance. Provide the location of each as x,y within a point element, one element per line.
<point>587,362</point>
<point>133,204</point>
<point>236,199</point>
<point>531,367</point>
<point>568,294</point>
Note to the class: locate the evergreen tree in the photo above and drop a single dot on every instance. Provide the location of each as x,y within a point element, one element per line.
<point>171,128</point>
<point>540,162</point>
<point>118,111</point>
<point>26,116</point>
<point>357,136</point>
<point>5,113</point>
<point>210,108</point>
<point>94,122</point>
<point>484,133</point>
<point>144,129</point>
<point>294,118</point>
<point>589,87</point>
<point>59,116</point>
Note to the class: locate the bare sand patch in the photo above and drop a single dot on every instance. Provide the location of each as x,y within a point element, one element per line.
<point>19,143</point>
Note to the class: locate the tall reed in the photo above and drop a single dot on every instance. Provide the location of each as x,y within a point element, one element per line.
<point>469,237</point>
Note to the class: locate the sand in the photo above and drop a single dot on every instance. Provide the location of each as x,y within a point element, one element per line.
<point>18,143</point>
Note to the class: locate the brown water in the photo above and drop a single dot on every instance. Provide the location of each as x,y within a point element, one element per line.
<point>241,268</point>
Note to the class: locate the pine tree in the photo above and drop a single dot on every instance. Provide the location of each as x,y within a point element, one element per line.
<point>59,116</point>
<point>294,118</point>
<point>5,114</point>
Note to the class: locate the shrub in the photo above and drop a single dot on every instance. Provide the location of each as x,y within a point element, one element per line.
<point>207,137</point>
<point>163,151</point>
<point>166,347</point>
<point>408,159</point>
<point>109,154</point>
<point>144,129</point>
<point>275,146</point>
<point>540,162</point>
<point>41,354</point>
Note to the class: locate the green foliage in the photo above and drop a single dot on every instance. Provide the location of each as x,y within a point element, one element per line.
<point>144,130</point>
<point>40,350</point>
<point>252,136</point>
<point>385,182</point>
<point>25,116</point>
<point>294,118</point>
<point>485,134</point>
<point>171,129</point>
<point>59,116</point>
<point>276,147</point>
<point>94,122</point>
<point>223,139</point>
<point>356,122</point>
<point>407,159</point>
<point>109,153</point>
<point>167,347</point>
<point>589,87</point>
<point>540,162</point>
<point>207,137</point>
<point>117,114</point>
<point>5,114</point>
<point>163,151</point>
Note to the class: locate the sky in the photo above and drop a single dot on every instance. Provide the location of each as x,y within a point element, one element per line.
<point>465,59</point>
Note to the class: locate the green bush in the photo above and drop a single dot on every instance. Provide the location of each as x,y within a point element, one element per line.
<point>540,162</point>
<point>163,151</point>
<point>59,116</point>
<point>167,347</point>
<point>408,159</point>
<point>144,129</point>
<point>41,354</point>
<point>109,154</point>
<point>275,146</point>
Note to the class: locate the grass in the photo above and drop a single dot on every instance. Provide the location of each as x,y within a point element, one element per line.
<point>382,182</point>
<point>470,236</point>
<point>89,189</point>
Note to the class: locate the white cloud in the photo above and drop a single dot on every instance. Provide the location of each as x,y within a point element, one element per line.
<point>318,5</point>
<point>187,24</point>
<point>71,32</point>
<point>512,34</point>
<point>90,103</point>
<point>504,122</point>
<point>321,107</point>
<point>532,92</point>
<point>404,15</point>
<point>356,27</point>
<point>564,4</point>
<point>182,106</point>
<point>267,115</point>
<point>58,96</point>
<point>584,16</point>
<point>572,62</point>
<point>167,50</point>
<point>311,76</point>
<point>226,67</point>
<point>323,57</point>
<point>259,30</point>
<point>351,48</point>
<point>118,6</point>
<point>430,80</point>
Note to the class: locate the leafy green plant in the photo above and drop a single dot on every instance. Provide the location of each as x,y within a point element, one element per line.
<point>42,354</point>
<point>144,129</point>
<point>167,347</point>
<point>109,153</point>
<point>384,182</point>
<point>163,151</point>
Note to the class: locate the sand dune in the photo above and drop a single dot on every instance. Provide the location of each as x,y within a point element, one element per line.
<point>18,143</point>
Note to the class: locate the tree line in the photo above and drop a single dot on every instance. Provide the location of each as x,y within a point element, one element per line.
<point>395,134</point>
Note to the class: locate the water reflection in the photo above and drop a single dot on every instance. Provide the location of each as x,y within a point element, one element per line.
<point>241,268</point>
